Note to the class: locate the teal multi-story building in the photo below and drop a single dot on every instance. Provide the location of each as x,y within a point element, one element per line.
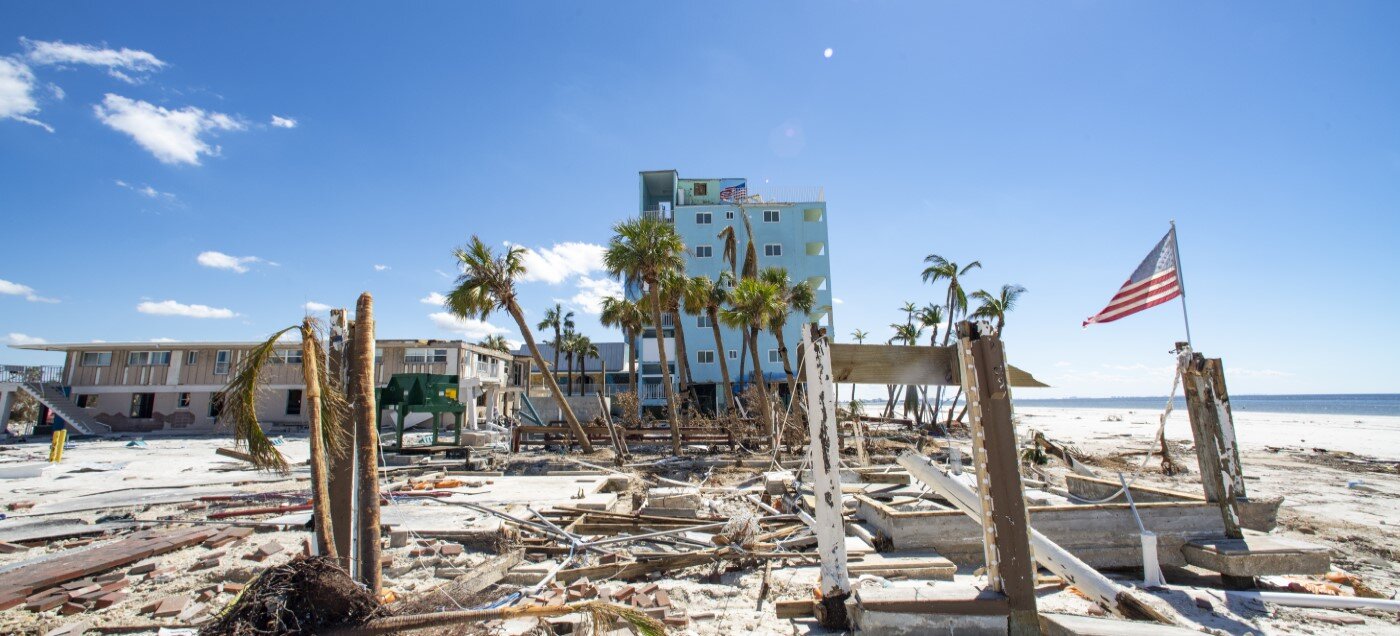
<point>789,231</point>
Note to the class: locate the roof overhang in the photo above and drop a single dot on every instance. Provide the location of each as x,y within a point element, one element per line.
<point>918,365</point>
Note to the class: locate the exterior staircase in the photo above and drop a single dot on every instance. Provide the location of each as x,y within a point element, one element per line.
<point>52,396</point>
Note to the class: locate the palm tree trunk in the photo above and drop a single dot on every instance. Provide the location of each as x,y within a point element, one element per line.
<point>713,313</point>
<point>559,398</point>
<point>367,443</point>
<point>570,374</point>
<point>320,490</point>
<point>556,347</point>
<point>954,404</point>
<point>763,402</point>
<point>787,365</point>
<point>632,361</point>
<point>682,360</point>
<point>743,355</point>
<point>671,411</point>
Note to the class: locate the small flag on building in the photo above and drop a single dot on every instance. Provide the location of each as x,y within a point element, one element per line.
<point>1156,281</point>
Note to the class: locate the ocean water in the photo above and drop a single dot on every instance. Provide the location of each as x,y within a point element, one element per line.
<point>1336,404</point>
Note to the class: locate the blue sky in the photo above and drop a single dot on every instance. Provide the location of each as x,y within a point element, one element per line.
<point>1052,141</point>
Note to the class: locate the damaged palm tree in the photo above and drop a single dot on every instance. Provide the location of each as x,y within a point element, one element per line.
<point>326,414</point>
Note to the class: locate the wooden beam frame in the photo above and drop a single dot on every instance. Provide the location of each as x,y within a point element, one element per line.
<point>1005,522</point>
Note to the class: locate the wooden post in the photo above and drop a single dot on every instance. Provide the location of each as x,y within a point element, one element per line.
<point>1213,429</point>
<point>826,479</point>
<point>1005,522</point>
<point>362,389</point>
<point>341,481</point>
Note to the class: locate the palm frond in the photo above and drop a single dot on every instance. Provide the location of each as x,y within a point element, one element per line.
<point>240,407</point>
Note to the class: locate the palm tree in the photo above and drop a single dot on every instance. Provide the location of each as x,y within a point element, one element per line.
<point>567,345</point>
<point>487,284</point>
<point>673,283</point>
<point>995,307</point>
<point>749,270</point>
<point>930,316</point>
<point>640,251</point>
<point>799,298</point>
<point>584,348</point>
<point>956,299</point>
<point>752,305</point>
<point>706,296</point>
<point>628,316</point>
<point>859,336</point>
<point>327,416</point>
<point>497,342</point>
<point>909,334</point>
<point>561,322</point>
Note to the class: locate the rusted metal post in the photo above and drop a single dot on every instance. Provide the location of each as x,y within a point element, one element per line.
<point>1213,429</point>
<point>365,410</point>
<point>1005,522</point>
<point>341,481</point>
<point>826,479</point>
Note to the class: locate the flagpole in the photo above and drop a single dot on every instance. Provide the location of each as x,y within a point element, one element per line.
<point>1181,282</point>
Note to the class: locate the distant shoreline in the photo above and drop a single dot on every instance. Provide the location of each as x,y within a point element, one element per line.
<point>1362,404</point>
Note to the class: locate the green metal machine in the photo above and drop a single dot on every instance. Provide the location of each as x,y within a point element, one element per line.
<point>423,393</point>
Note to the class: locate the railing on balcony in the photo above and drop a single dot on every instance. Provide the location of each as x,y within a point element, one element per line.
<point>785,194</point>
<point>23,373</point>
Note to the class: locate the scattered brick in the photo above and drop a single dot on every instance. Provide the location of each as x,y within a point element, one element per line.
<point>266,550</point>
<point>70,608</point>
<point>11,548</point>
<point>110,599</point>
<point>170,606</point>
<point>144,568</point>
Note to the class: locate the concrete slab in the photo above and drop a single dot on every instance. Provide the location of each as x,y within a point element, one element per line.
<point>1069,625</point>
<point>1258,555</point>
<point>941,609</point>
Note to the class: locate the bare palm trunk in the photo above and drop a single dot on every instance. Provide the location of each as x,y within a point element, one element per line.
<point>713,313</point>
<point>570,374</point>
<point>743,354</point>
<point>671,411</point>
<point>954,405</point>
<point>763,403</point>
<point>557,351</point>
<point>632,361</point>
<point>320,490</point>
<point>682,360</point>
<point>367,442</point>
<point>787,365</point>
<point>569,418</point>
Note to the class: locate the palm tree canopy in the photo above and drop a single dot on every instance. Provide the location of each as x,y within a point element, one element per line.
<point>752,304</point>
<point>487,282</point>
<point>699,294</point>
<point>731,247</point>
<point>497,342</point>
<point>930,316</point>
<point>907,333</point>
<point>859,336</point>
<point>641,249</point>
<point>556,318</point>
<point>623,314</point>
<point>943,269</point>
<point>996,307</point>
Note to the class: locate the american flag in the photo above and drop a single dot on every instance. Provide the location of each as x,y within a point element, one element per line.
<point>734,192</point>
<point>1154,282</point>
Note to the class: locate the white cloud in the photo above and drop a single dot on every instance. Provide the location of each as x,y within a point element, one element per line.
<point>17,93</point>
<point>284,122</point>
<point>837,301</point>
<point>592,291</point>
<point>173,308</point>
<point>57,91</point>
<point>433,298</point>
<point>470,327</point>
<point>164,340</point>
<point>555,265</point>
<point>44,53</point>
<point>220,260</point>
<point>15,289</point>
<point>380,268</point>
<point>22,339</point>
<point>314,306</point>
<point>147,191</point>
<point>173,136</point>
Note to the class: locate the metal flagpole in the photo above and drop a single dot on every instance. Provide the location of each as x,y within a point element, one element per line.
<point>1181,283</point>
